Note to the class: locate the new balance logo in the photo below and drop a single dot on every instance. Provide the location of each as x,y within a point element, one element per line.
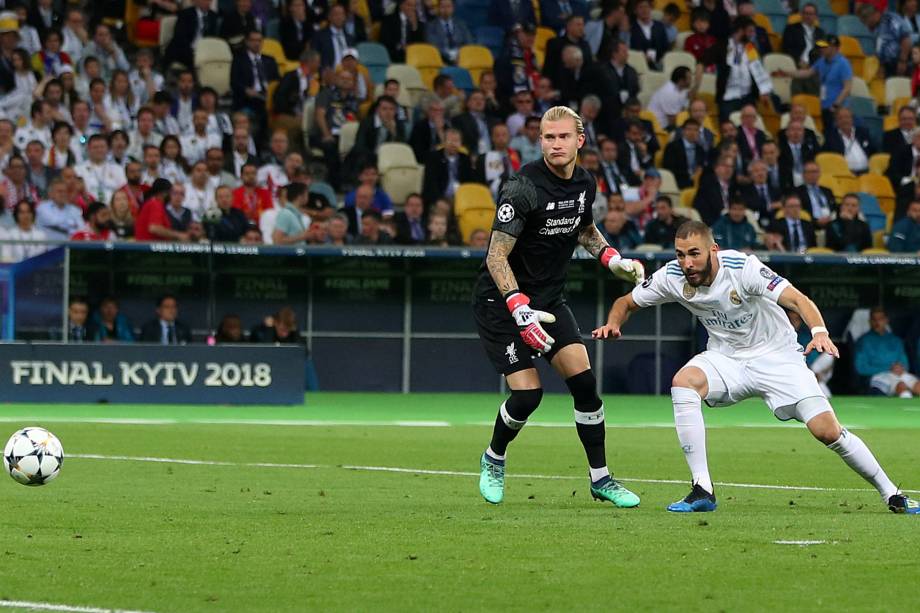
<point>511,352</point>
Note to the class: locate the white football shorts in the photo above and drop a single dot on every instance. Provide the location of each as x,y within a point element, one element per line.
<point>781,378</point>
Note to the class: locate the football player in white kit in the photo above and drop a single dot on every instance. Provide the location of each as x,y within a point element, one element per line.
<point>752,351</point>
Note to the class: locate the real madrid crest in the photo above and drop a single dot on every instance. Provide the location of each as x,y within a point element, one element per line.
<point>766,273</point>
<point>735,298</point>
<point>689,291</point>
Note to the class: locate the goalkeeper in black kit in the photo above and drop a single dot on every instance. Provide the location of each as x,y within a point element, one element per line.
<point>519,304</point>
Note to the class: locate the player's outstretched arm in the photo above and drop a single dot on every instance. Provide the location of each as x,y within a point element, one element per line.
<point>594,243</point>
<point>794,300</point>
<point>619,313</point>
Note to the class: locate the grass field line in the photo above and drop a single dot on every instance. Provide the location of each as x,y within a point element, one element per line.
<point>452,473</point>
<point>48,606</point>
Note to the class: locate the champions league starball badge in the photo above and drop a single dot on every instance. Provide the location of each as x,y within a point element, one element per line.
<point>505,213</point>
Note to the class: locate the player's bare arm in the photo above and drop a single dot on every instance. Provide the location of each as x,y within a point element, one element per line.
<point>794,300</point>
<point>500,247</point>
<point>592,240</point>
<point>622,308</point>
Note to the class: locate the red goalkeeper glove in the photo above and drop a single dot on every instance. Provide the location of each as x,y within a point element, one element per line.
<point>528,322</point>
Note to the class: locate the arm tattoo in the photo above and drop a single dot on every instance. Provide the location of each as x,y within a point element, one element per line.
<point>497,261</point>
<point>591,239</point>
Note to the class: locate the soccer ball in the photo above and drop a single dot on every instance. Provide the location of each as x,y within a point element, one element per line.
<point>33,456</point>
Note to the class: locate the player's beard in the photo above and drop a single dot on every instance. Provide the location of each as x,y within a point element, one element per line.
<point>703,276</point>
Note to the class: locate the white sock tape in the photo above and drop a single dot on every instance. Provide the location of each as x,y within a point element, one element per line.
<point>510,421</point>
<point>589,419</point>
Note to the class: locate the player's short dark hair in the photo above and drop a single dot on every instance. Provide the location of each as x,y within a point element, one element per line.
<point>693,228</point>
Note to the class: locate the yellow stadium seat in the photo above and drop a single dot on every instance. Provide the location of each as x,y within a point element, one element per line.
<point>890,122</point>
<point>476,59</point>
<point>852,50</point>
<point>273,49</point>
<point>764,22</point>
<point>832,164</point>
<point>875,251</point>
<point>878,163</point>
<point>475,219</point>
<point>871,69</point>
<point>686,197</point>
<point>426,59</point>
<point>880,187</point>
<point>898,103</point>
<point>878,239</point>
<point>840,7</point>
<point>472,196</point>
<point>819,250</point>
<point>542,37</point>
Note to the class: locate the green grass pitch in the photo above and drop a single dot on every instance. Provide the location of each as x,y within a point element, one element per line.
<point>127,525</point>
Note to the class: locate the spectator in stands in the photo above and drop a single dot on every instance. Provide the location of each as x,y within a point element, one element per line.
<point>590,109</point>
<point>296,88</point>
<point>902,166</point>
<point>499,164</point>
<point>699,43</point>
<point>741,77</point>
<point>769,154</point>
<point>848,232</point>
<point>232,223</point>
<point>166,124</point>
<point>791,233</point>
<point>616,178</point>
<point>180,218</point>
<point>401,29</point>
<point>199,196</point>
<point>438,235</point>
<point>674,96</point>
<point>446,169</point>
<point>250,75</point>
<point>571,80</point>
<point>479,239</point>
<point>122,215</point>
<point>759,35</point>
<point>850,141</point>
<point>15,186</point>
<point>236,23</point>
<point>669,18</point>
<point>7,148</point>
<point>817,201</point>
<point>410,223</point>
<point>107,325</point>
<point>881,355</point>
<point>662,229</point>
<point>273,160</point>
<point>74,34</point>
<point>14,249</point>
<point>900,138</point>
<point>165,328</point>
<point>905,234</point>
<point>77,315</point>
<point>715,191</point>
<point>295,30</point>
<point>795,153</point>
<point>334,106</point>
<point>523,108</point>
<point>102,178</point>
<point>372,232</point>
<point>118,148</point>
<point>573,36</point>
<point>230,329</point>
<point>378,128</point>
<point>893,38</point>
<point>507,14</point>
<point>684,156</point>
<point>648,35</point>
<point>798,113</point>
<point>620,232</point>
<point>16,102</point>
<point>292,223</point>
<point>835,74</point>
<point>634,153</point>
<point>152,223</point>
<point>98,225</point>
<point>428,133</point>
<point>447,33</point>
<point>733,231</point>
<point>172,163</point>
<point>151,170</point>
<point>527,142</point>
<point>381,201</point>
<point>38,128</point>
<point>38,175</point>
<point>143,134</point>
<point>110,56</point>
<point>217,176</point>
<point>57,217</point>
<point>196,21</point>
<point>278,329</point>
<point>332,41</point>
<point>338,230</point>
<point>799,39</point>
<point>475,125</point>
<point>620,126</point>
<point>364,200</point>
<point>196,143</point>
<point>517,67</point>
<point>750,137</point>
<point>145,81</point>
<point>554,13</point>
<point>613,26</point>
<point>249,197</point>
<point>252,236</point>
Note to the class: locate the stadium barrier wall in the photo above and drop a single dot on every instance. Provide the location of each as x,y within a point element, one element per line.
<point>399,318</point>
<point>151,374</point>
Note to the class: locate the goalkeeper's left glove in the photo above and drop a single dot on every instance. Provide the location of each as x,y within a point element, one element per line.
<point>628,270</point>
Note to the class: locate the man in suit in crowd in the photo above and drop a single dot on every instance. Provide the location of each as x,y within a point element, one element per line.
<point>795,152</point>
<point>760,196</point>
<point>799,38</point>
<point>750,138</point>
<point>684,156</point>
<point>165,328</point>
<point>332,41</point>
<point>447,33</point>
<point>250,74</point>
<point>401,29</point>
<point>475,125</point>
<point>715,192</point>
<point>192,23</point>
<point>615,82</point>
<point>904,160</point>
<point>899,138</point>
<point>817,201</point>
<point>791,233</point>
<point>446,169</point>
<point>850,141</point>
<point>410,222</point>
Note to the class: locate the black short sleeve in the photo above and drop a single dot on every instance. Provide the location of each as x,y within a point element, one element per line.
<point>517,199</point>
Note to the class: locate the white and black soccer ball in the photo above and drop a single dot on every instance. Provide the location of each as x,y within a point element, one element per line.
<point>33,456</point>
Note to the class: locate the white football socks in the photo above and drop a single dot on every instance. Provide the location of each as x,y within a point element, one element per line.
<point>598,473</point>
<point>688,418</point>
<point>858,457</point>
<point>494,455</point>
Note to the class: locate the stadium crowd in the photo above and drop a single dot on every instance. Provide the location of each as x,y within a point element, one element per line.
<point>785,127</point>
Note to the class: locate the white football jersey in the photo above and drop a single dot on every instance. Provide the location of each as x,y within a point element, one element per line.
<point>739,309</point>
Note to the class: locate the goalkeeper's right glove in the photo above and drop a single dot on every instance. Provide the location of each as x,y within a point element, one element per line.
<point>528,321</point>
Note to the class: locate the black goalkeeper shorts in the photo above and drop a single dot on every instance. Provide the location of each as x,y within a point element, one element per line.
<point>502,339</point>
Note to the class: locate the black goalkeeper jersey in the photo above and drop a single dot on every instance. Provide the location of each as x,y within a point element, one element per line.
<point>545,213</point>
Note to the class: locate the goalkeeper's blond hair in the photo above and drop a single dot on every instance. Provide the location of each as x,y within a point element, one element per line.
<point>558,113</point>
